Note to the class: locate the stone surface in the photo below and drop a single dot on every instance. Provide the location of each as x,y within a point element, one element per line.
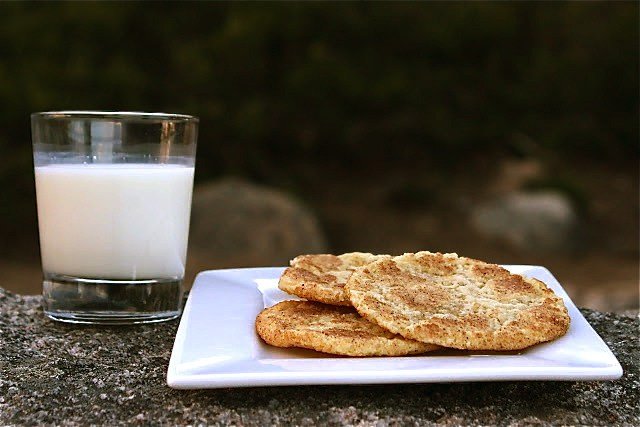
<point>235,223</point>
<point>535,222</point>
<point>58,374</point>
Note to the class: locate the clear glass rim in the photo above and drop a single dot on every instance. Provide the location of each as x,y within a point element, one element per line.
<point>113,115</point>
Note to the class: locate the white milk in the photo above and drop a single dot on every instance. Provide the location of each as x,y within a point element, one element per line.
<point>114,221</point>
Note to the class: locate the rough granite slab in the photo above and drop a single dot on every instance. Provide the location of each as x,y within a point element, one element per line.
<point>58,374</point>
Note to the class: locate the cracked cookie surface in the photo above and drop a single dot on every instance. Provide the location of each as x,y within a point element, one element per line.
<point>331,329</point>
<point>457,302</point>
<point>322,277</point>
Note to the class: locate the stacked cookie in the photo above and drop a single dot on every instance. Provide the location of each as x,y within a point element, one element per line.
<point>361,304</point>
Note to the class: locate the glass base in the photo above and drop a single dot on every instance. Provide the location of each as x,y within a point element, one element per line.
<point>112,302</point>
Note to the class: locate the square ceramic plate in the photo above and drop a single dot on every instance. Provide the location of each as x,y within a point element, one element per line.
<point>217,346</point>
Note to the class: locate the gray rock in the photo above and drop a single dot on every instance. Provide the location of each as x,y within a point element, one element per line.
<point>234,223</point>
<point>58,374</point>
<point>538,221</point>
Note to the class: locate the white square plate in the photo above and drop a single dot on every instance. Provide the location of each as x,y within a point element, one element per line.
<point>217,346</point>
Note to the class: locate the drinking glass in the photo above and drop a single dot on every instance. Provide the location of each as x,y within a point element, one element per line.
<point>114,199</point>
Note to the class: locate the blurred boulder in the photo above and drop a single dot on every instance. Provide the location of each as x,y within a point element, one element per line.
<point>513,174</point>
<point>536,221</point>
<point>236,224</point>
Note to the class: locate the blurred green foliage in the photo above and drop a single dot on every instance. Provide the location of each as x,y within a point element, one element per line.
<point>283,88</point>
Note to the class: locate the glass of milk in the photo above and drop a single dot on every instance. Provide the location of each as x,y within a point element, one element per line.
<point>114,198</point>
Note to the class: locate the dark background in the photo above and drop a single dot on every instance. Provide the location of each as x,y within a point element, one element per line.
<point>380,117</point>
